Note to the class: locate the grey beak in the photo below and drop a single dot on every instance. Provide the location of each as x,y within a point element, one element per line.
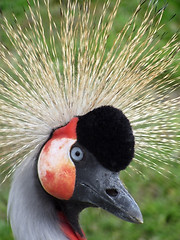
<point>119,202</point>
<point>100,187</point>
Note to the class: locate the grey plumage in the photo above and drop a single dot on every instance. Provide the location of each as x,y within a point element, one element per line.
<point>32,214</point>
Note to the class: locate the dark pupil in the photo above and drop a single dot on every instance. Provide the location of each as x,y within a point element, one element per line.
<point>77,154</point>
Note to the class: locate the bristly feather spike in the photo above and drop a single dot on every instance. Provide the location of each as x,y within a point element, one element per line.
<point>65,70</point>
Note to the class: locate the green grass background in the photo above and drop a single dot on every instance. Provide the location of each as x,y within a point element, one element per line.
<point>157,196</point>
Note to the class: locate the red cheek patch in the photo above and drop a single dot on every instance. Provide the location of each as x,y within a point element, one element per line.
<point>68,131</point>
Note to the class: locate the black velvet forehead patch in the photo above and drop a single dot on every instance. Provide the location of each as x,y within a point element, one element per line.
<point>107,134</point>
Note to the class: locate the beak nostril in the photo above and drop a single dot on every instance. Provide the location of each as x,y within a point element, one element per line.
<point>112,192</point>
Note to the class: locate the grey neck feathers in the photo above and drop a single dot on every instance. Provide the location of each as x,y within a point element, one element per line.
<point>32,215</point>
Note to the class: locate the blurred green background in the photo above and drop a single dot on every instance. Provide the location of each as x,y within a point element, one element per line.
<point>158,196</point>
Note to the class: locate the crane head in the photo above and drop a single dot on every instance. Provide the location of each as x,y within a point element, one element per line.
<point>79,165</point>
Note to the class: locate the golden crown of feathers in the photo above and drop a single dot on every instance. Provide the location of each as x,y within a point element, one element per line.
<point>66,69</point>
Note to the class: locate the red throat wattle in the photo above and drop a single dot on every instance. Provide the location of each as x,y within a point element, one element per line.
<point>68,230</point>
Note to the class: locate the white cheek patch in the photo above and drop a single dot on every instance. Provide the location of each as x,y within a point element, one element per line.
<point>54,155</point>
<point>56,170</point>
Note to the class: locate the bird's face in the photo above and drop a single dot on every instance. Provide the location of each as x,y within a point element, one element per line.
<point>80,163</point>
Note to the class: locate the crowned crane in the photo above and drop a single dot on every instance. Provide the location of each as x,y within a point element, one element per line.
<point>63,133</point>
<point>78,167</point>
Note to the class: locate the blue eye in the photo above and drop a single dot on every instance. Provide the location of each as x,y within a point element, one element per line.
<point>76,154</point>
